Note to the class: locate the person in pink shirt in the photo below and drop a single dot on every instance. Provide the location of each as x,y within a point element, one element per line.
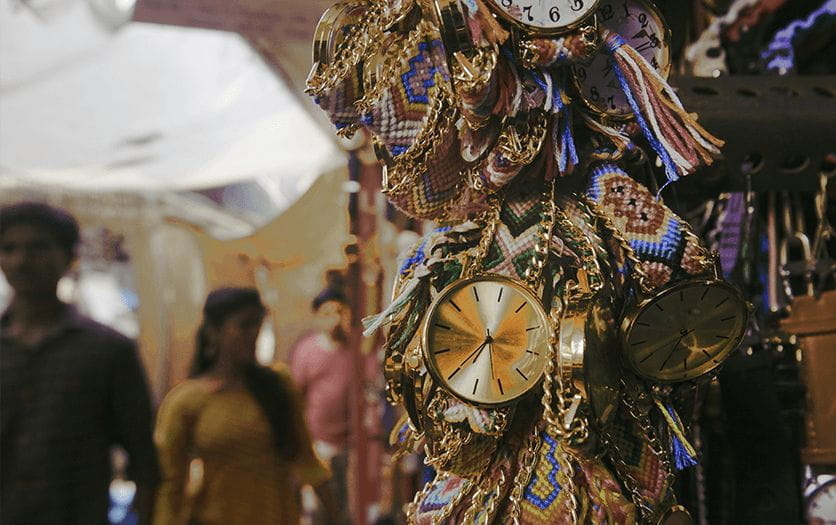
<point>321,364</point>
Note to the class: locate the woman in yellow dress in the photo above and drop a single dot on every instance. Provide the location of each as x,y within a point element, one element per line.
<point>239,421</point>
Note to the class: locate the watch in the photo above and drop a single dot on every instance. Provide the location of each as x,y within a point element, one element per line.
<point>537,17</point>
<point>642,27</point>
<point>333,27</point>
<point>820,502</point>
<point>684,331</point>
<point>486,340</point>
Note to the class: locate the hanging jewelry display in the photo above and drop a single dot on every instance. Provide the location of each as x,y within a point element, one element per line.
<point>537,338</point>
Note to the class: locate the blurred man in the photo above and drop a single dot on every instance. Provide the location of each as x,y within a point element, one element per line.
<point>70,387</point>
<point>322,367</point>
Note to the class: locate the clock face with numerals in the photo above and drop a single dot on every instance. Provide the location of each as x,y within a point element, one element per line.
<point>821,504</point>
<point>486,340</point>
<point>544,16</point>
<point>685,331</point>
<point>643,28</point>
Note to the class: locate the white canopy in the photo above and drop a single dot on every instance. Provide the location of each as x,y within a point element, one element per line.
<point>148,107</point>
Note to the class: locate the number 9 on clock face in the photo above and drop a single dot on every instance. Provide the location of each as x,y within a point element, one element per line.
<point>544,16</point>
<point>486,340</point>
<point>642,27</point>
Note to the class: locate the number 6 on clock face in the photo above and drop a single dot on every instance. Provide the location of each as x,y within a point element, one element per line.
<point>486,340</point>
<point>544,16</point>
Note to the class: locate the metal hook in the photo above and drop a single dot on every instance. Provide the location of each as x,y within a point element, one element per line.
<point>808,264</point>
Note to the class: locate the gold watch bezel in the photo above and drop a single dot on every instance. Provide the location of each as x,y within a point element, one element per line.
<point>448,290</point>
<point>533,31</point>
<point>628,323</point>
<point>654,11</point>
<point>325,37</point>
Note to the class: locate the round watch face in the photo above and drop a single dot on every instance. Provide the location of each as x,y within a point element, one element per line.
<point>643,28</point>
<point>821,504</point>
<point>544,16</point>
<point>685,331</point>
<point>486,340</point>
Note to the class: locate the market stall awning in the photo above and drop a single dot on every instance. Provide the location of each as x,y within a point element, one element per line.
<point>148,107</point>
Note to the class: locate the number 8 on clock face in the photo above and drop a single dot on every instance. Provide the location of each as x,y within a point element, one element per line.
<point>486,340</point>
<point>643,28</point>
<point>544,16</point>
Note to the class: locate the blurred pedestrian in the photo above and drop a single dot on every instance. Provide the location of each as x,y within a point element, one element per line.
<point>70,388</point>
<point>322,366</point>
<point>240,422</point>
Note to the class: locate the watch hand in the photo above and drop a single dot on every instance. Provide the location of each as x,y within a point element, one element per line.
<point>671,353</point>
<point>478,350</point>
<point>490,353</point>
<point>681,337</point>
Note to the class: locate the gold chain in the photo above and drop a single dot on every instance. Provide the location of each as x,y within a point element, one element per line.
<point>448,448</point>
<point>539,258</point>
<point>439,454</point>
<point>527,462</point>
<point>412,163</point>
<point>567,472</point>
<point>521,151</point>
<point>643,420</point>
<point>485,486</point>
<point>556,405</point>
<point>367,32</point>
<point>590,280</point>
<point>472,75</point>
<point>607,224</point>
<point>491,221</point>
<point>707,260</point>
<point>377,80</point>
<point>543,245</point>
<point>349,53</point>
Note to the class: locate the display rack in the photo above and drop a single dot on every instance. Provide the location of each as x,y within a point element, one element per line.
<point>778,129</point>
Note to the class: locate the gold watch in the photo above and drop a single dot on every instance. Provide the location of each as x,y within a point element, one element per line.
<point>684,331</point>
<point>486,340</point>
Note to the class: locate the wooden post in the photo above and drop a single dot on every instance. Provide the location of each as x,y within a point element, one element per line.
<point>365,171</point>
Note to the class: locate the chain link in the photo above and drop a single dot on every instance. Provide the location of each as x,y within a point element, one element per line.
<point>527,462</point>
<point>485,486</point>
<point>542,247</point>
<point>521,151</point>
<point>590,281</point>
<point>567,483</point>
<point>491,222</point>
<point>441,453</point>
<point>377,80</point>
<point>607,224</point>
<point>630,482</point>
<point>350,51</point>
<point>556,404</point>
<point>707,260</point>
<point>413,162</point>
